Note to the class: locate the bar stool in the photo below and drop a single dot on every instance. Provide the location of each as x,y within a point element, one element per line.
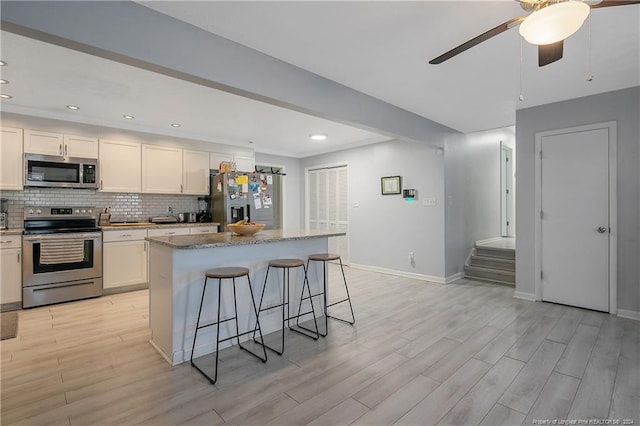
<point>286,265</point>
<point>220,274</point>
<point>324,258</point>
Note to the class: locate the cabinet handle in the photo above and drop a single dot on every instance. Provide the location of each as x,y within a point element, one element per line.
<point>170,233</point>
<point>125,235</point>
<point>5,242</point>
<point>181,188</point>
<point>100,183</point>
<point>65,149</point>
<point>145,246</point>
<point>18,257</point>
<point>60,149</point>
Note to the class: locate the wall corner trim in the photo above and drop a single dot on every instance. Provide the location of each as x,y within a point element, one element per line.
<point>454,277</point>
<point>524,296</point>
<point>625,313</point>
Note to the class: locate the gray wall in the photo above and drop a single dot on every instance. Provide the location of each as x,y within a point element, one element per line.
<point>622,106</point>
<point>472,182</point>
<point>384,228</point>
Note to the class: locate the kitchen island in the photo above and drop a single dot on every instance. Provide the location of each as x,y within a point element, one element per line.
<point>176,276</point>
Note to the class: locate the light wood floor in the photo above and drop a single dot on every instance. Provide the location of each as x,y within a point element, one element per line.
<point>466,353</point>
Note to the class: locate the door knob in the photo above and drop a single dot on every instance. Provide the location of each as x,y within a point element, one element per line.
<point>602,230</point>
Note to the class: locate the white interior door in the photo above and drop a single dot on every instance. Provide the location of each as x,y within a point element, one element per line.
<point>574,225</point>
<point>327,205</point>
<point>506,191</point>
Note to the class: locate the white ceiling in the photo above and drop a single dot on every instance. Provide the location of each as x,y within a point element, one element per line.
<point>44,78</point>
<point>379,48</point>
<point>382,48</point>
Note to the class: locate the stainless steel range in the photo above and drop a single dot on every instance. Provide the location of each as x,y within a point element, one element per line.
<point>62,250</point>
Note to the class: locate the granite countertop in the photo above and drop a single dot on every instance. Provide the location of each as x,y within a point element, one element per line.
<point>146,225</point>
<point>12,231</point>
<point>225,239</point>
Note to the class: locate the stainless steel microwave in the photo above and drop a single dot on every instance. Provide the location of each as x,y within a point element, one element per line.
<point>60,172</point>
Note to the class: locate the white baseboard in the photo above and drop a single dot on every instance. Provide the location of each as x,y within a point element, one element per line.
<point>421,277</point>
<point>454,277</point>
<point>524,296</point>
<point>625,313</point>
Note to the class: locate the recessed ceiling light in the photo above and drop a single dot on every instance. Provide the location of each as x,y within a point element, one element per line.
<point>175,124</point>
<point>128,117</point>
<point>318,136</point>
<point>3,81</point>
<point>2,63</point>
<point>73,107</point>
<point>3,96</point>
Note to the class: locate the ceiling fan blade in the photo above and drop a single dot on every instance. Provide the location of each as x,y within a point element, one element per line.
<point>610,3</point>
<point>549,53</point>
<point>477,40</point>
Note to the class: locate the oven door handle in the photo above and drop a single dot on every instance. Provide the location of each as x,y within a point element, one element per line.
<point>36,238</point>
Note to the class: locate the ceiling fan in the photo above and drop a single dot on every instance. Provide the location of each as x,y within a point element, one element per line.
<point>550,22</point>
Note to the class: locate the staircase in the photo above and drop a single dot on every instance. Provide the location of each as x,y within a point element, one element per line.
<point>492,262</point>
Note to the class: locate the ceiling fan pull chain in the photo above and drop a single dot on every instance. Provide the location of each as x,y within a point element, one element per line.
<point>590,75</point>
<point>521,96</point>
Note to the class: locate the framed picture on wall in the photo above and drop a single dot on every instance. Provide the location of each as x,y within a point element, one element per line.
<point>390,185</point>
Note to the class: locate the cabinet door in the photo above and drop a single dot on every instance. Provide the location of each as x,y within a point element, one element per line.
<point>11,161</point>
<point>212,229</point>
<point>124,263</point>
<point>167,232</point>
<point>245,164</point>
<point>195,172</point>
<point>161,169</point>
<point>215,158</point>
<point>120,166</point>
<point>11,275</point>
<point>80,146</point>
<point>46,143</point>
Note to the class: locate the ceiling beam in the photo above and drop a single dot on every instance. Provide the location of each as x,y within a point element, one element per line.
<point>132,34</point>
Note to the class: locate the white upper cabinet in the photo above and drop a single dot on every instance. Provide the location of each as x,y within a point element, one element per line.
<point>120,166</point>
<point>58,144</point>
<point>80,146</point>
<point>11,161</point>
<point>195,172</point>
<point>161,169</point>
<point>218,157</point>
<point>244,164</point>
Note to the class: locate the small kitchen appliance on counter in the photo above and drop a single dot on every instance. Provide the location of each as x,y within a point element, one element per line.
<point>4,213</point>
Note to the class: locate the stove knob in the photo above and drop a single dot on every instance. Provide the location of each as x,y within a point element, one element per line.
<point>77,211</point>
<point>89,211</point>
<point>83,211</point>
<point>30,211</point>
<point>38,211</point>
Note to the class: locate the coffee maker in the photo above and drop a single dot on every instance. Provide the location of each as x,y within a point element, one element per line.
<point>4,211</point>
<point>204,205</point>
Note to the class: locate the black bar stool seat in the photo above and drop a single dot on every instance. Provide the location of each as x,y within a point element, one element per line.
<point>286,265</point>
<point>229,272</point>
<point>324,258</point>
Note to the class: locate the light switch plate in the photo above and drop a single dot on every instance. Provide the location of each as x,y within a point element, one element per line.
<point>356,204</point>
<point>429,202</point>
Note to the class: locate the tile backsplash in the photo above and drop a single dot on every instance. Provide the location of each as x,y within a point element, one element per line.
<point>124,207</point>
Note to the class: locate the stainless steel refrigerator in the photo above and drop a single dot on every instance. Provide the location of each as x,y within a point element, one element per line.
<point>235,196</point>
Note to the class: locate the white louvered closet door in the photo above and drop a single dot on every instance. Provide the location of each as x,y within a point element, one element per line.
<point>328,204</point>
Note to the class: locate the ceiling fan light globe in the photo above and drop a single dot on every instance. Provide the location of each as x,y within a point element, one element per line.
<point>554,23</point>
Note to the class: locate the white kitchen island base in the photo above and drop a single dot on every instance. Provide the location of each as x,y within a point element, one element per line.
<point>176,277</point>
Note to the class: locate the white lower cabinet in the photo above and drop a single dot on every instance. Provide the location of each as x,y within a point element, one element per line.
<point>124,258</point>
<point>167,232</point>
<point>210,229</point>
<point>11,269</point>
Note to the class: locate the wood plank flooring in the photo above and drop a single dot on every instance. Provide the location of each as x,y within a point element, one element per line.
<point>466,353</point>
